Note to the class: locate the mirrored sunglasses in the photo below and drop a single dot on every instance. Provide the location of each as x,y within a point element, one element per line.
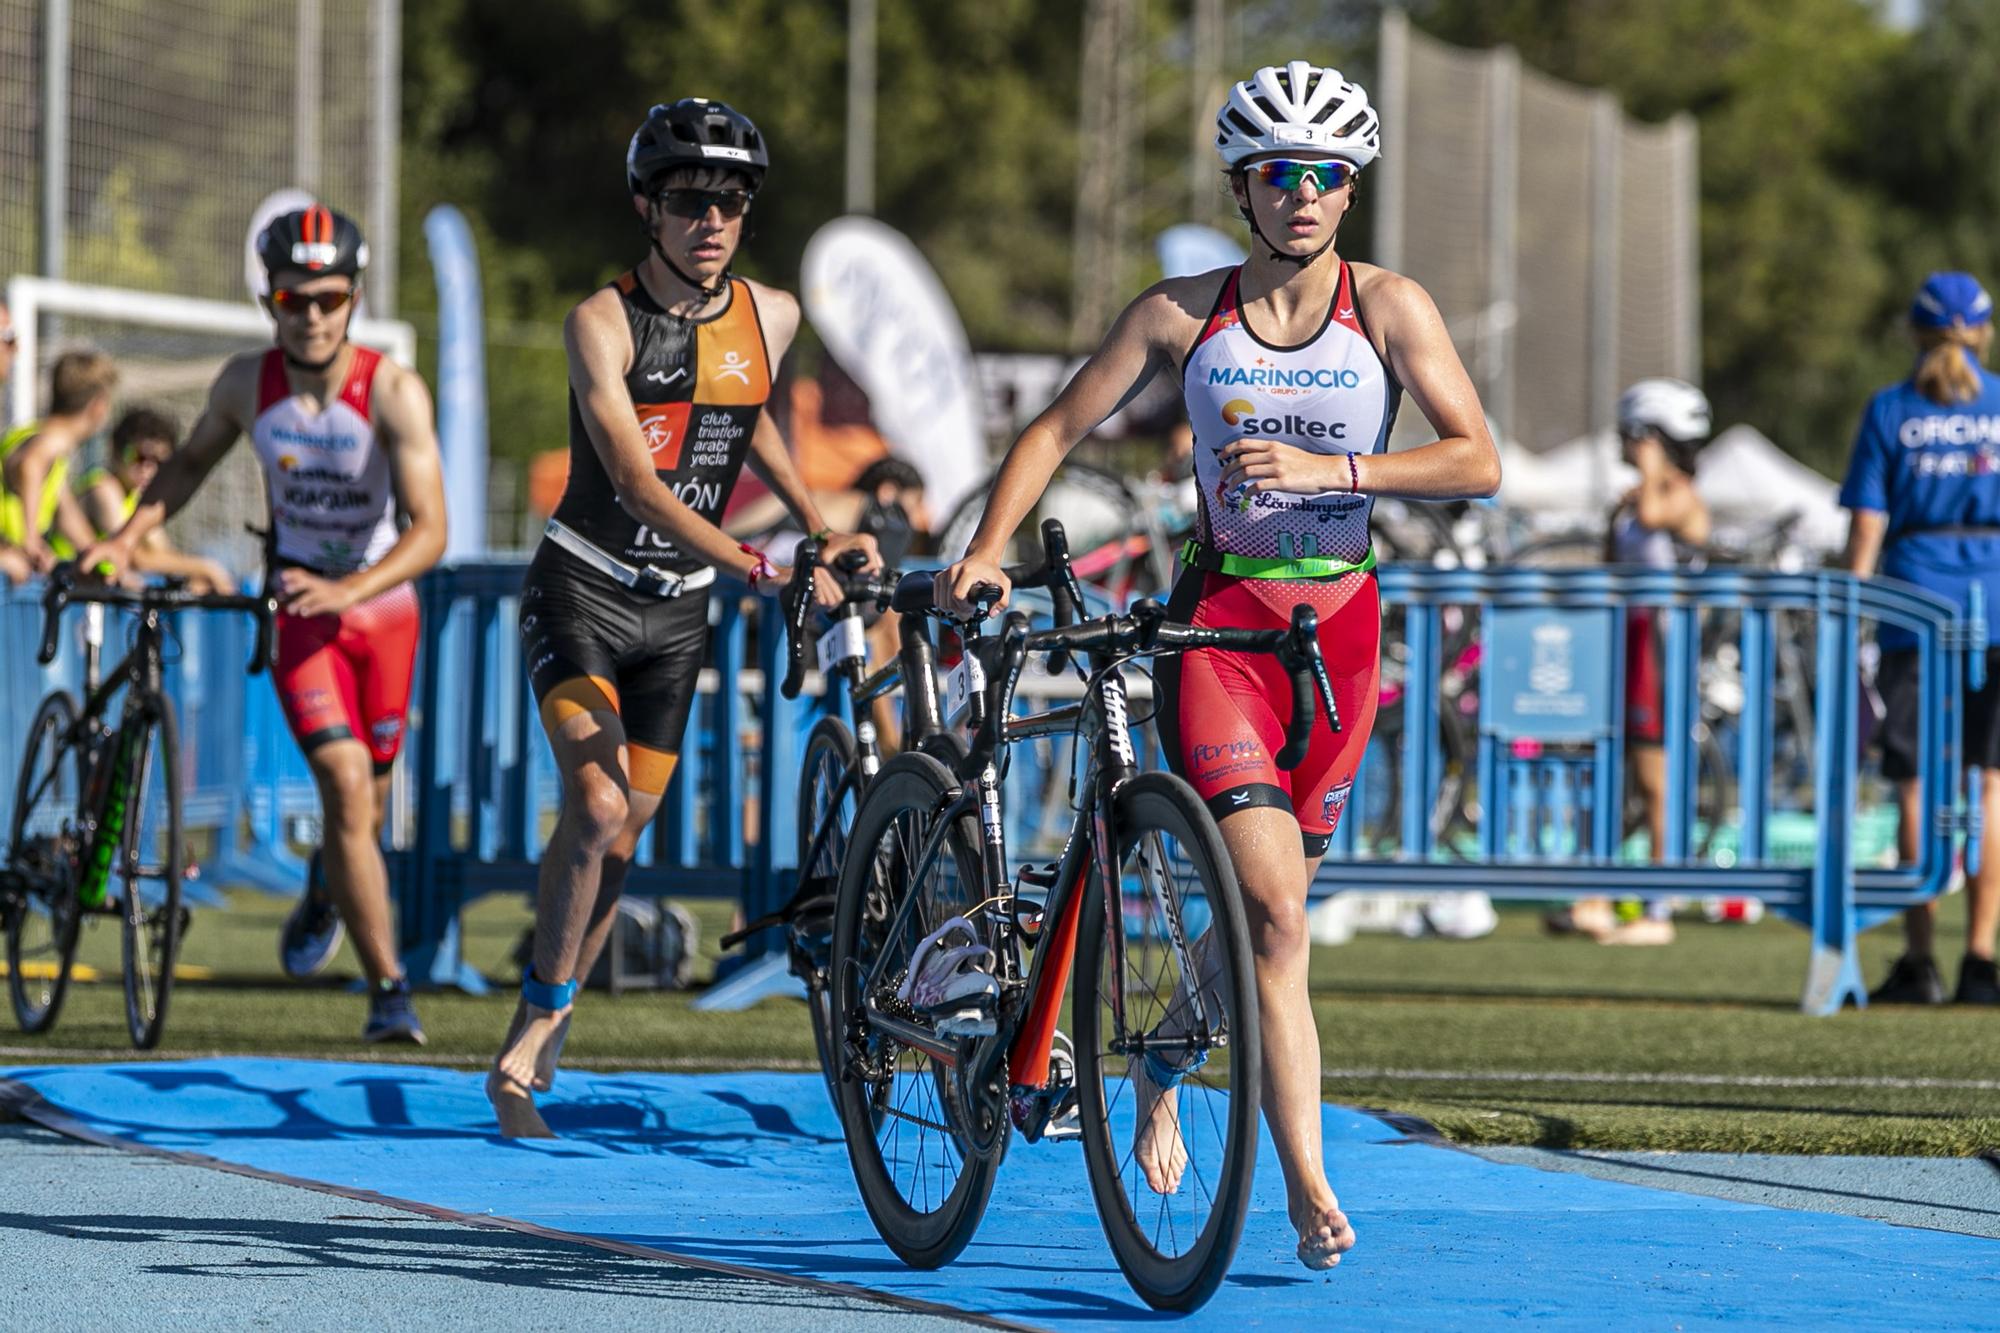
<point>1286,174</point>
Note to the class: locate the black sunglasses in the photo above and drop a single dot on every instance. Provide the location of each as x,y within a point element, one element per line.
<point>690,203</point>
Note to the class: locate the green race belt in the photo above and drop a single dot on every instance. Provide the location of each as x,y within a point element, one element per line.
<point>1210,561</point>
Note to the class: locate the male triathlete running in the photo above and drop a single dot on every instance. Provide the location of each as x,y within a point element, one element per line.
<point>669,370</point>
<point>348,444</point>
<point>1292,366</point>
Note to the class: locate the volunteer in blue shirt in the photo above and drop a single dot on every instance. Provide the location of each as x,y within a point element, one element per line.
<point>1924,485</point>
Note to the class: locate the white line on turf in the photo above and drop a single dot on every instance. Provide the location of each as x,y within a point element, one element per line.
<point>1696,1080</point>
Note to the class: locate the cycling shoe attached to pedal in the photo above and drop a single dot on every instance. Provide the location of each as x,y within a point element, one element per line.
<point>951,982</point>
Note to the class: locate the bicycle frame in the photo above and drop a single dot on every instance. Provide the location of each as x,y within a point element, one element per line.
<point>1030,1006</point>
<point>915,664</point>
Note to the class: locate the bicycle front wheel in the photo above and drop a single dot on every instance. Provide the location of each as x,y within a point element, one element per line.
<point>899,1109</point>
<point>151,864</point>
<point>825,814</point>
<point>44,856</point>
<point>1169,1061</point>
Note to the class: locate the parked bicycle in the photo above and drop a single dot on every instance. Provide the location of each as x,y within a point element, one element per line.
<point>946,1009</point>
<point>96,828</point>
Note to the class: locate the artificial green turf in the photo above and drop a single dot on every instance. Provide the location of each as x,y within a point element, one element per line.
<point>1696,1046</point>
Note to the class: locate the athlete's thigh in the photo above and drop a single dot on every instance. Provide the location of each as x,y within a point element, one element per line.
<point>571,633</point>
<point>1220,723</point>
<point>379,637</point>
<point>658,677</point>
<point>315,681</point>
<point>1350,640</point>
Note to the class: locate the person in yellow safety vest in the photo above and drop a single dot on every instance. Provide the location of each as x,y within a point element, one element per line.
<point>141,442</point>
<point>35,501</point>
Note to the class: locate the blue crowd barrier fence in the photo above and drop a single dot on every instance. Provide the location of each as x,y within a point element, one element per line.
<point>1547,776</point>
<point>1542,793</point>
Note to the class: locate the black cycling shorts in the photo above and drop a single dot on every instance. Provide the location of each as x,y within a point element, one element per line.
<point>589,642</point>
<point>1897,681</point>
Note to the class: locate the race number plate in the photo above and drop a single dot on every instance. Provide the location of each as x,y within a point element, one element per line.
<point>960,684</point>
<point>844,640</point>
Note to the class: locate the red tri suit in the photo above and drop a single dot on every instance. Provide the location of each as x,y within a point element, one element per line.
<point>333,511</point>
<point>1223,714</point>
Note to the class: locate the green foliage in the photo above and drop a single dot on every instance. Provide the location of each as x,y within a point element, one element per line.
<point>1841,160</point>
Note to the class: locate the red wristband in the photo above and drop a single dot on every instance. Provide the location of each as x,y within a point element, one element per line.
<point>764,568</point>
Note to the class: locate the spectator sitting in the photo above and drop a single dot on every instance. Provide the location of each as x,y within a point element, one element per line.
<point>35,501</point>
<point>13,561</point>
<point>141,442</point>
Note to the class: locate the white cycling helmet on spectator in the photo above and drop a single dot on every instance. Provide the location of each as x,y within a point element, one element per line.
<point>1297,107</point>
<point>1675,409</point>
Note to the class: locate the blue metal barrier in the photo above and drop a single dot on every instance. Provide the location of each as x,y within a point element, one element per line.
<point>1549,761</point>
<point>485,787</point>
<point>1551,745</point>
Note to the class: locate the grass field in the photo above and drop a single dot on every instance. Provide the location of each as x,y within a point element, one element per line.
<point>1516,1038</point>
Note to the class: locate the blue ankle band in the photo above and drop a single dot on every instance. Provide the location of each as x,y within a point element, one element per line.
<point>1167,1074</point>
<point>544,996</point>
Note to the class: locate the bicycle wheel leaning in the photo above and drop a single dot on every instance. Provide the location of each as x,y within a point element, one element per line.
<point>1168,1022</point>
<point>898,1110</point>
<point>826,797</point>
<point>151,864</point>
<point>44,853</point>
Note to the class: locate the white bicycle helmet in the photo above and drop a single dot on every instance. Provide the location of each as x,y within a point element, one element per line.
<point>1298,107</point>
<point>1674,408</point>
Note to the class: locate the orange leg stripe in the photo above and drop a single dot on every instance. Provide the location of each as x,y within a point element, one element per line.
<point>650,770</point>
<point>578,694</point>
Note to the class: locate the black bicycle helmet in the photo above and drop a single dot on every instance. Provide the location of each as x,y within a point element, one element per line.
<point>315,241</point>
<point>694,132</point>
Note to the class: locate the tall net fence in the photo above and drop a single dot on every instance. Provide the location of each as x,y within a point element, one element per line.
<point>1555,233</point>
<point>176,118</point>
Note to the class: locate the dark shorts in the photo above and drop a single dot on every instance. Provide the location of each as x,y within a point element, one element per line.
<point>593,645</point>
<point>1896,680</point>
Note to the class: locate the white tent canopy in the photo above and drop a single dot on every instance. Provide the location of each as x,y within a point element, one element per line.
<point>1749,483</point>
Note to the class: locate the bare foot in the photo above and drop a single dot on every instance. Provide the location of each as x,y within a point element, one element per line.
<point>1157,1145</point>
<point>1645,931</point>
<point>514,1108</point>
<point>526,1063</point>
<point>1324,1235</point>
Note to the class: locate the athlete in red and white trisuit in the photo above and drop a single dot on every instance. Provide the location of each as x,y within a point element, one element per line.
<point>1292,366</point>
<point>348,447</point>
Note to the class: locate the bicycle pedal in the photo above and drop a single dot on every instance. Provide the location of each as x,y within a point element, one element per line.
<point>964,1023</point>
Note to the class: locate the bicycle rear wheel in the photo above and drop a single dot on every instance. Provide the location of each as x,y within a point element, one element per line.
<point>827,784</point>
<point>903,1120</point>
<point>44,854</point>
<point>151,864</point>
<point>1190,1004</point>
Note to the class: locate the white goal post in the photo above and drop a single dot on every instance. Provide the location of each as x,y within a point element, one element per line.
<point>30,299</point>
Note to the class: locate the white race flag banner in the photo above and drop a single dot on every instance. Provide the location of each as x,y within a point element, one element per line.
<point>885,317</point>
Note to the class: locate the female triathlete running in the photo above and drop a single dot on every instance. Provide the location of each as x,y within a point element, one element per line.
<point>1292,367</point>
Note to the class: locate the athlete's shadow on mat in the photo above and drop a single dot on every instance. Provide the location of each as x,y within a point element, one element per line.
<point>408,1247</point>
<point>600,1120</point>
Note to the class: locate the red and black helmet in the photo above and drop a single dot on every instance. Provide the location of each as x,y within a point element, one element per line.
<point>694,132</point>
<point>314,241</point>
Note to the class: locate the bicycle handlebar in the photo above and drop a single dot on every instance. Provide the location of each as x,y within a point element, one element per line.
<point>795,601</point>
<point>1145,629</point>
<point>63,589</point>
<point>916,593</point>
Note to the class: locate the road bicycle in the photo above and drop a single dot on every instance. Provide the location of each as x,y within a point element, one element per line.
<point>844,753</point>
<point>99,801</point>
<point>932,1084</point>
